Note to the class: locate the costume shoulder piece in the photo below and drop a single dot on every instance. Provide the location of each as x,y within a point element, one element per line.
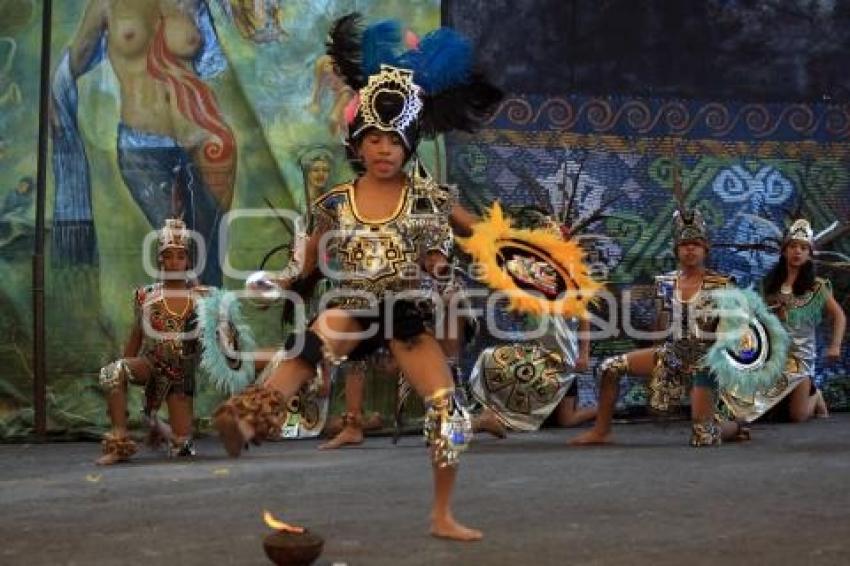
<point>326,207</point>
<point>665,285</point>
<point>715,280</point>
<point>144,293</point>
<point>823,285</point>
<point>447,196</point>
<point>201,291</point>
<point>429,196</point>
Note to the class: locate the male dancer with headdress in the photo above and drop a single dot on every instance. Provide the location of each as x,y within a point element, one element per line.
<point>674,368</point>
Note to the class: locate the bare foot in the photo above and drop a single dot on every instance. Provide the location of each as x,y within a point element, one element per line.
<point>109,459</point>
<point>373,422</point>
<point>744,434</point>
<point>333,427</point>
<point>447,527</point>
<point>821,410</point>
<point>116,448</point>
<point>487,421</point>
<point>348,435</point>
<point>232,432</point>
<point>591,438</point>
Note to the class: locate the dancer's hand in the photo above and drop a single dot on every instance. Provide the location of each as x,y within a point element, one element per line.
<point>833,353</point>
<point>266,289</point>
<point>582,363</point>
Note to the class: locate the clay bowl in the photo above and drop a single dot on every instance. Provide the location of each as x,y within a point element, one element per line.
<point>293,549</point>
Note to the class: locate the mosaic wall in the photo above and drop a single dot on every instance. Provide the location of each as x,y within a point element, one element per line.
<point>748,167</point>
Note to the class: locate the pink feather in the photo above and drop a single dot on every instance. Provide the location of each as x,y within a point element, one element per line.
<point>351,108</point>
<point>411,40</point>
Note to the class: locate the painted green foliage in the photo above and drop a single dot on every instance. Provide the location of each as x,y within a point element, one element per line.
<point>279,106</point>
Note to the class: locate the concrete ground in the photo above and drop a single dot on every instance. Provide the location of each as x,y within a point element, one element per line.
<point>783,498</point>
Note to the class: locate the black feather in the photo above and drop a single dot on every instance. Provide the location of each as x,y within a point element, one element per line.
<point>344,47</point>
<point>463,107</point>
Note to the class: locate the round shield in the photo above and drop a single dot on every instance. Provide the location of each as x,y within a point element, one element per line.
<point>539,271</point>
<point>227,342</point>
<point>522,383</point>
<point>751,347</point>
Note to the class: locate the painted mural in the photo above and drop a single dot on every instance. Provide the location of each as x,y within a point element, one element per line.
<point>158,108</point>
<point>750,168</point>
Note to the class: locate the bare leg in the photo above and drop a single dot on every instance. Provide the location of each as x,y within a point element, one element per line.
<point>487,421</point>
<point>802,406</point>
<point>116,408</point>
<point>568,414</point>
<point>180,413</point>
<point>352,421</point>
<point>337,327</point>
<point>424,365</point>
<point>116,401</point>
<point>640,364</point>
<point>702,404</point>
<point>821,410</point>
<point>180,416</point>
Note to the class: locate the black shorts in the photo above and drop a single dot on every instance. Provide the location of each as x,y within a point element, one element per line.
<point>407,323</point>
<point>552,420</point>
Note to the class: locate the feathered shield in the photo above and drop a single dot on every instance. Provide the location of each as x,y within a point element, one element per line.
<point>539,270</point>
<point>751,348</point>
<point>227,342</point>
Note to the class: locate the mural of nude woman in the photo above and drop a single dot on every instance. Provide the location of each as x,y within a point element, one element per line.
<point>175,149</point>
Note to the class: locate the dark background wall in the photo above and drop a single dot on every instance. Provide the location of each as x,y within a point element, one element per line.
<point>748,98</point>
<point>750,50</point>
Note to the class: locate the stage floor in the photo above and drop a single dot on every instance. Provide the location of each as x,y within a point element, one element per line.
<point>783,498</point>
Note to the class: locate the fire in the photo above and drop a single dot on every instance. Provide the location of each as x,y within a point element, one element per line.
<point>280,525</point>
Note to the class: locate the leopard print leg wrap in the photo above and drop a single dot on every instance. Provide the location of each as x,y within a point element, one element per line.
<point>706,433</point>
<point>122,447</point>
<point>262,408</point>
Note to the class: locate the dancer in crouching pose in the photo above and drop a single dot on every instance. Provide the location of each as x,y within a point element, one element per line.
<point>675,367</point>
<point>799,298</point>
<point>157,357</point>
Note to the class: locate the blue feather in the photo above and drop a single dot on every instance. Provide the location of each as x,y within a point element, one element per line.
<point>442,61</point>
<point>380,45</point>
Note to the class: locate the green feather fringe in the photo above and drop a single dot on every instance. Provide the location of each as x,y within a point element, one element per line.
<point>213,361</point>
<point>811,312</point>
<point>737,307</point>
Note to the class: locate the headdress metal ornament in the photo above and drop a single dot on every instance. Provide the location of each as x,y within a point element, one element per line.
<point>173,235</point>
<point>396,85</point>
<point>688,225</point>
<point>800,231</point>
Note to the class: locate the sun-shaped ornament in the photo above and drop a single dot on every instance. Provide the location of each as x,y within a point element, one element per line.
<point>540,271</point>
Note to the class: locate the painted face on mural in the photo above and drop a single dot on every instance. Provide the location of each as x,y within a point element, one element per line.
<point>318,175</point>
<point>382,154</point>
<point>796,254</point>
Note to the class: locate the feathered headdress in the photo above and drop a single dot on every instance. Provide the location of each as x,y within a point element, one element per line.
<point>688,224</point>
<point>430,88</point>
<point>800,231</point>
<point>173,235</point>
